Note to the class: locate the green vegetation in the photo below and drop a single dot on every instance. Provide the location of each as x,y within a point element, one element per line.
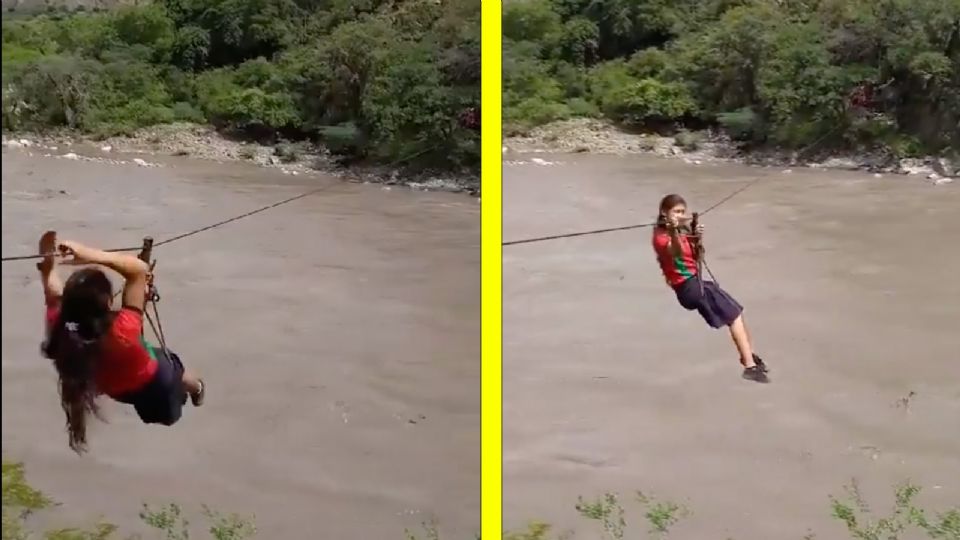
<point>793,73</point>
<point>20,501</point>
<point>661,516</point>
<point>373,80</point>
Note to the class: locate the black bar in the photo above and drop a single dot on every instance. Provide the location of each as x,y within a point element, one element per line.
<point>146,252</point>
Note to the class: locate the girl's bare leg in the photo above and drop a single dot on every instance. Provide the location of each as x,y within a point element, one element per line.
<point>741,338</point>
<point>749,335</point>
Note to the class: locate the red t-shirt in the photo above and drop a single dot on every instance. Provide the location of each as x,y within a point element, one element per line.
<point>675,269</point>
<point>126,362</point>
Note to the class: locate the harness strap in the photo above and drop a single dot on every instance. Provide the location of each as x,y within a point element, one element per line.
<point>158,327</point>
<point>700,254</point>
<point>152,296</point>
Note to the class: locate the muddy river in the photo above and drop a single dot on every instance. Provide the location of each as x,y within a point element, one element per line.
<point>851,289</point>
<point>339,337</point>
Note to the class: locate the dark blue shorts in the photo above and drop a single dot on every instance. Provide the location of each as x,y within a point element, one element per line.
<point>715,306</point>
<point>161,400</point>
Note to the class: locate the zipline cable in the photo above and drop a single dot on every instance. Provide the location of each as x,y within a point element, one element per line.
<point>30,257</point>
<point>628,227</point>
<point>230,220</point>
<point>241,216</point>
<point>195,231</point>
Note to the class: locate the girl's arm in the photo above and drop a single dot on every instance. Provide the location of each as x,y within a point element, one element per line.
<point>676,249</point>
<point>133,270</point>
<point>52,284</point>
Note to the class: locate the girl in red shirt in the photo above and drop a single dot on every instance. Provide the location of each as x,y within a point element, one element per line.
<point>675,246</point>
<point>100,351</point>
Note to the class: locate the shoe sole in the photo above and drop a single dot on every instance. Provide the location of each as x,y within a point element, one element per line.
<point>197,399</point>
<point>763,379</point>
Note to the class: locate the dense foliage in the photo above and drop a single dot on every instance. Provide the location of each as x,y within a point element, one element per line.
<point>372,79</point>
<point>853,73</point>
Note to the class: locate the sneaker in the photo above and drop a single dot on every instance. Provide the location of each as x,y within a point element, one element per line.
<point>755,374</point>
<point>759,361</point>
<point>197,397</point>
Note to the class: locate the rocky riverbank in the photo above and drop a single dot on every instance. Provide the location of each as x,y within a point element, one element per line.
<point>204,142</point>
<point>601,137</point>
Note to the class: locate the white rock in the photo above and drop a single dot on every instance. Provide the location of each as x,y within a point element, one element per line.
<point>933,176</point>
<point>788,171</point>
<point>106,148</point>
<point>914,166</point>
<point>54,148</point>
<point>841,163</point>
<point>12,144</point>
<point>140,162</point>
<point>71,155</point>
<point>941,181</point>
<point>877,175</point>
<point>294,173</point>
<point>25,142</point>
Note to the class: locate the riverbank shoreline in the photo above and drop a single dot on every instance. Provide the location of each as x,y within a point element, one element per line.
<point>202,142</point>
<point>586,135</point>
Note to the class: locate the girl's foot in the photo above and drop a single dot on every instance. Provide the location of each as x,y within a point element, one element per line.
<point>197,397</point>
<point>759,362</point>
<point>755,374</point>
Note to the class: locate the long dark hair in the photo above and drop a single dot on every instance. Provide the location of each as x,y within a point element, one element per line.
<point>74,346</point>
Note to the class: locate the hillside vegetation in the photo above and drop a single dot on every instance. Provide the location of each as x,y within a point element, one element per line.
<point>840,74</point>
<point>373,80</point>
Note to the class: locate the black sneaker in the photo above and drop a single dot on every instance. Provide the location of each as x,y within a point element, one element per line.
<point>755,374</point>
<point>197,397</point>
<point>759,361</point>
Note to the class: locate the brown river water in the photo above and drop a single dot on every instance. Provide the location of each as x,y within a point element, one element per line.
<point>339,337</point>
<point>851,290</point>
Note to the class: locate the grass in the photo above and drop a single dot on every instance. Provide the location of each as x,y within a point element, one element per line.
<point>21,501</point>
<point>905,520</point>
<point>660,517</point>
<point>863,524</point>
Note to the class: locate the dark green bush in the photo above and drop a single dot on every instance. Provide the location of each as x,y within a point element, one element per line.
<point>399,74</point>
<point>795,74</point>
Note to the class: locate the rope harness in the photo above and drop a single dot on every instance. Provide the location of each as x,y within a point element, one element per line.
<point>699,252</point>
<point>152,297</point>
